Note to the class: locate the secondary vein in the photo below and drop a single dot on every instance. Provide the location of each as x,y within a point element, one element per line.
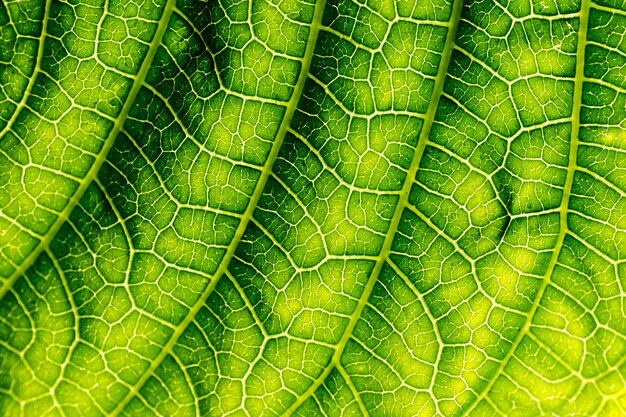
<point>402,203</point>
<point>567,191</point>
<point>241,228</point>
<point>108,144</point>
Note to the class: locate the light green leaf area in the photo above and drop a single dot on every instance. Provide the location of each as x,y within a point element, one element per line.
<point>313,208</point>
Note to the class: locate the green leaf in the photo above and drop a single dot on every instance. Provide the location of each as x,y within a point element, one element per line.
<point>312,208</point>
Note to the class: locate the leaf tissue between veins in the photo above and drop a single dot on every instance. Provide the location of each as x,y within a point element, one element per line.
<point>263,208</point>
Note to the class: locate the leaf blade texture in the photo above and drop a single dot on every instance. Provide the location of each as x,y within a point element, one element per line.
<point>312,208</point>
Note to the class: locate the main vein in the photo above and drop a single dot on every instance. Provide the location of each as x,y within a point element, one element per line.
<point>247,216</point>
<point>31,83</point>
<point>108,144</point>
<point>402,203</point>
<point>567,191</point>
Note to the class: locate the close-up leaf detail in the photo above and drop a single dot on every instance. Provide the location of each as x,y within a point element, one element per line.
<point>308,208</point>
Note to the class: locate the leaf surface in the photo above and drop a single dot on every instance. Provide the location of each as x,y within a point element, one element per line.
<point>312,208</point>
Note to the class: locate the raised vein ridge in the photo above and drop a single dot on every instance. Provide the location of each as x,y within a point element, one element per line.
<point>108,144</point>
<point>265,174</point>
<point>567,190</point>
<point>402,203</point>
